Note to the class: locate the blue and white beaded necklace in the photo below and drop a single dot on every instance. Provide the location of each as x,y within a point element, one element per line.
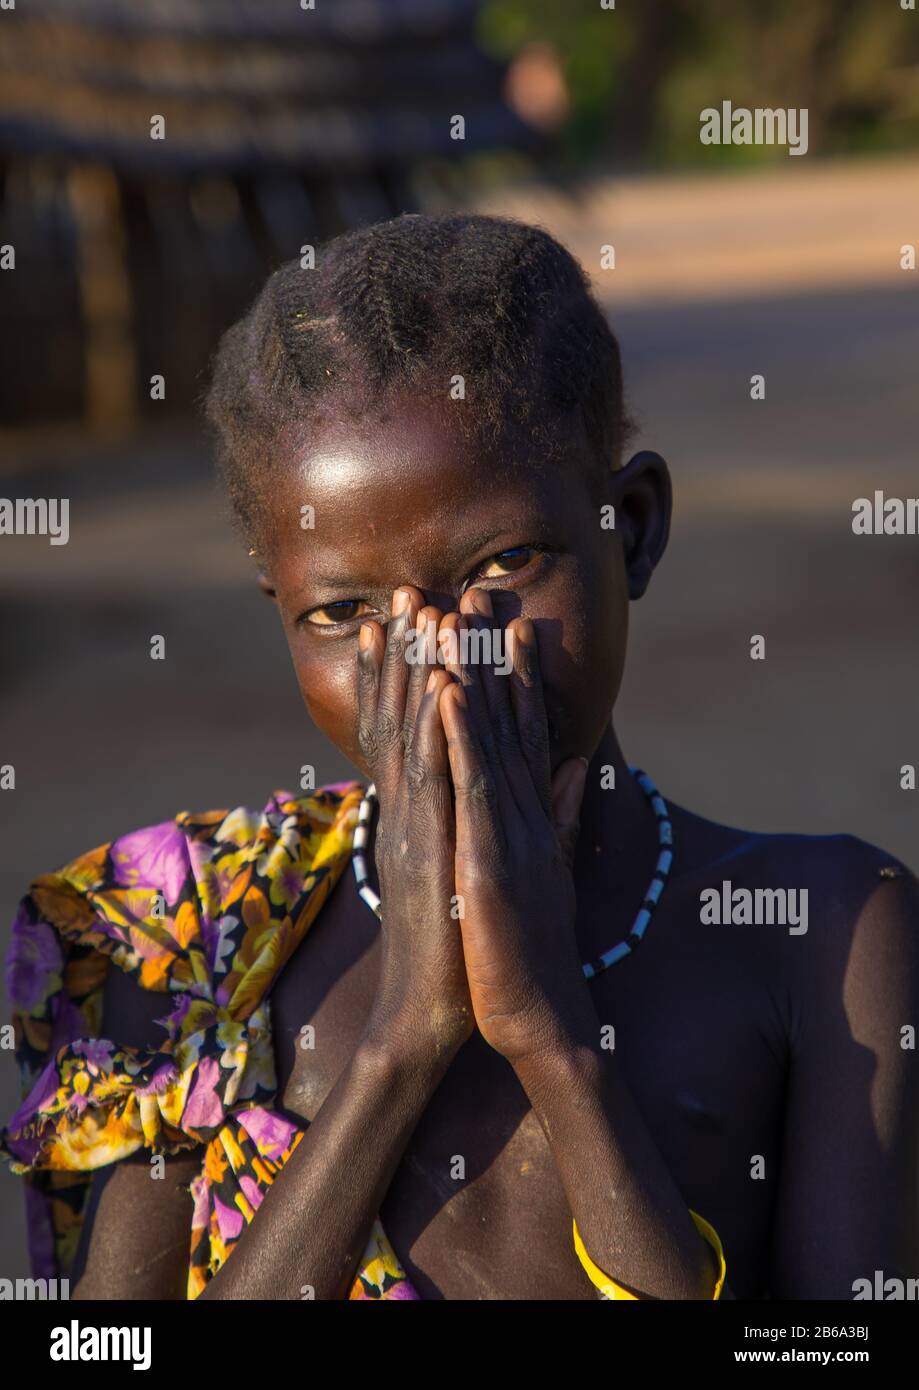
<point>645,912</point>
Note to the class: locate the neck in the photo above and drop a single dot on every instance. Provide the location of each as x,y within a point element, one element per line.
<point>618,835</point>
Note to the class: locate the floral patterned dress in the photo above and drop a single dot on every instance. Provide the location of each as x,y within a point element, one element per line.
<point>206,910</point>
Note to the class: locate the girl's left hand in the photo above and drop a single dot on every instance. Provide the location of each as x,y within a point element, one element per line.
<point>516,827</point>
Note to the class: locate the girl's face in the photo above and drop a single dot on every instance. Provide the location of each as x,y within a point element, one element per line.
<point>403,499</point>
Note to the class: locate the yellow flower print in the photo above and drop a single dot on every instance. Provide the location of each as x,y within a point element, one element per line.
<point>234,1056</point>
<point>257,917</point>
<point>271,947</point>
<point>223,881</point>
<point>154,973</point>
<point>288,883</point>
<point>233,1137</point>
<point>215,1162</point>
<point>231,1034</point>
<point>86,872</point>
<point>282,850</point>
<point>239,827</point>
<point>60,906</point>
<point>276,868</point>
<point>259,1072</point>
<point>186,924</point>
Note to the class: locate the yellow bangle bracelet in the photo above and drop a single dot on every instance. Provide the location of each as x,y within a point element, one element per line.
<point>609,1289</point>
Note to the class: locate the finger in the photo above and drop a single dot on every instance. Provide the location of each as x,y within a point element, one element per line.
<point>371,643</point>
<point>479,828</point>
<point>427,773</point>
<point>421,654</point>
<point>394,675</point>
<point>448,643</point>
<point>567,795</point>
<point>528,701</point>
<point>477,605</point>
<point>470,678</point>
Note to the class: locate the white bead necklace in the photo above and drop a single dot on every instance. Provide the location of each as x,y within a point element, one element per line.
<point>639,926</point>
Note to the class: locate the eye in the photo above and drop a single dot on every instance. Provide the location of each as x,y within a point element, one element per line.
<point>505,562</point>
<point>334,614</point>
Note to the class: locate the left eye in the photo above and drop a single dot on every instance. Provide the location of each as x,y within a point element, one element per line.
<point>334,613</point>
<point>506,562</point>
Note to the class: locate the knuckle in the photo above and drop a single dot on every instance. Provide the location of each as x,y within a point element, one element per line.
<point>388,732</point>
<point>417,775</point>
<point>396,639</point>
<point>425,785</point>
<point>480,791</point>
<point>367,741</point>
<point>366,674</point>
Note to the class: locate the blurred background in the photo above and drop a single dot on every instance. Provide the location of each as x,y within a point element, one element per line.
<point>284,124</point>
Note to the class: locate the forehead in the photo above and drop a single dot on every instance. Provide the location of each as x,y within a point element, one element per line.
<point>410,484</point>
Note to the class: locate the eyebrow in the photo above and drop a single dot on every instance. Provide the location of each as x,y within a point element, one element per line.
<point>342,581</point>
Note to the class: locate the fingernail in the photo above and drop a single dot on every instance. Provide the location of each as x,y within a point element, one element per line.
<point>460,695</point>
<point>364,637</point>
<point>482,603</point>
<point>400,601</point>
<point>432,683</point>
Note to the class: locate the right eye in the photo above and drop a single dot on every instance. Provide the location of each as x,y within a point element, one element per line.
<point>334,614</point>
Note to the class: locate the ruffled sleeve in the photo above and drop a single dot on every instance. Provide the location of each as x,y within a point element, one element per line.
<point>204,910</point>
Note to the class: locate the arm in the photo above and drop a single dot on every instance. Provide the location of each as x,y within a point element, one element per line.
<point>134,1243</point>
<point>312,1227</point>
<point>315,1220</point>
<point>135,1236</point>
<point>628,1210</point>
<point>848,1197</point>
<point>531,1000</point>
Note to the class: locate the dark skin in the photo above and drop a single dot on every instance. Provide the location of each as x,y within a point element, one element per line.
<point>478,1036</point>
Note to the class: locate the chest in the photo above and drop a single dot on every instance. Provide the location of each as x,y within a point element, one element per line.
<point>476,1208</point>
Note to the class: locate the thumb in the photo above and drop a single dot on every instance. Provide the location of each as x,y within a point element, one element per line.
<point>567,793</point>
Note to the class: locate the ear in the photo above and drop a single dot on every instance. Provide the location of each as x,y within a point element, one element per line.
<point>643,501</point>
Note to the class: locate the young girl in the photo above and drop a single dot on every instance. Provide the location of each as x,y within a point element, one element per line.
<point>479,1034</point>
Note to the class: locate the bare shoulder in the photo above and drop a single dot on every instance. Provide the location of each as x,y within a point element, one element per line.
<point>845,886</point>
<point>829,922</point>
<point>843,877</point>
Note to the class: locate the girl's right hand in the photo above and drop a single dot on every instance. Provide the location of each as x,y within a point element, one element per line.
<point>422,994</point>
